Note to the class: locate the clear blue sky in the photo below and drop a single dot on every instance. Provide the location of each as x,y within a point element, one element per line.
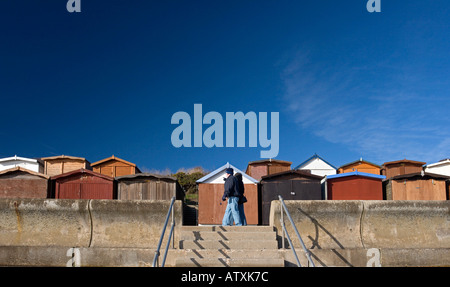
<point>346,83</point>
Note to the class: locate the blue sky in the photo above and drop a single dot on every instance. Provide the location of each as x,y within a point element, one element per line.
<point>346,83</point>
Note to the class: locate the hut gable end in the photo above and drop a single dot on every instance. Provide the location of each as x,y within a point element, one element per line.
<point>57,165</point>
<point>400,167</point>
<point>114,167</point>
<point>360,166</point>
<point>442,167</point>
<point>32,164</point>
<point>317,166</point>
<point>260,168</point>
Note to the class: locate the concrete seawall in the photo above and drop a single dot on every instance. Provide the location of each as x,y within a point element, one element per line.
<point>63,232</point>
<point>406,224</point>
<point>368,224</point>
<point>84,223</point>
<point>369,233</point>
<point>44,222</point>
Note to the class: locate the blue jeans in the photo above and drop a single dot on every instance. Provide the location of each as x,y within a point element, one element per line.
<point>242,214</point>
<point>232,212</point>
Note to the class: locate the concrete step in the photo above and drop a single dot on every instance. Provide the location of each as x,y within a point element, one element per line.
<point>226,235</point>
<point>232,253</point>
<point>61,256</point>
<point>249,228</point>
<point>228,244</point>
<point>229,262</point>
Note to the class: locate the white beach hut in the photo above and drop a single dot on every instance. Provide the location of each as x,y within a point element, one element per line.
<point>32,164</point>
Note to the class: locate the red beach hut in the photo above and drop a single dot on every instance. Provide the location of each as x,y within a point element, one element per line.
<point>83,184</point>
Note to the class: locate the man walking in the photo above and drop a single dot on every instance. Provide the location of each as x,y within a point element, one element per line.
<point>231,191</point>
<point>242,198</point>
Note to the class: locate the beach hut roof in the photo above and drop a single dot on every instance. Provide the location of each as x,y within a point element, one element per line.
<point>18,168</point>
<point>82,171</point>
<point>315,156</point>
<point>221,169</point>
<point>356,173</point>
<point>359,160</point>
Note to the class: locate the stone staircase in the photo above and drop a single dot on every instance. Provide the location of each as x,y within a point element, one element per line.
<point>230,246</point>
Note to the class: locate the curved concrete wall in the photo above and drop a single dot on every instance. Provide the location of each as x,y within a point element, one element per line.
<point>44,222</point>
<point>322,224</point>
<point>137,223</point>
<point>84,223</point>
<point>406,224</point>
<point>367,224</point>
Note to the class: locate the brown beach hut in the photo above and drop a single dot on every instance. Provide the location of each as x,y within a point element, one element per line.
<point>211,208</point>
<point>401,167</point>
<point>60,164</point>
<point>83,184</point>
<point>148,186</point>
<point>291,185</point>
<point>417,186</point>
<point>114,167</point>
<point>19,182</point>
<point>260,168</point>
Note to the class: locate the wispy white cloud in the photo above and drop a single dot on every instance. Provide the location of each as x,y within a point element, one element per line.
<point>399,118</point>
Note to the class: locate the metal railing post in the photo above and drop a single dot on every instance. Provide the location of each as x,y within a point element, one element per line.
<point>296,231</point>
<point>157,253</point>
<point>173,225</point>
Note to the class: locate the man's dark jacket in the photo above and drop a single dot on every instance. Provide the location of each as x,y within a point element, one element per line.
<point>231,187</point>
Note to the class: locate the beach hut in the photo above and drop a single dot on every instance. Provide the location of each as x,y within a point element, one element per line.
<point>361,166</point>
<point>32,164</point>
<point>114,167</point>
<point>417,186</point>
<point>401,167</point>
<point>291,185</point>
<point>211,208</point>
<point>83,184</point>
<point>60,164</point>
<point>19,182</point>
<point>260,168</point>
<point>148,186</point>
<point>442,167</point>
<point>354,185</point>
<point>317,166</point>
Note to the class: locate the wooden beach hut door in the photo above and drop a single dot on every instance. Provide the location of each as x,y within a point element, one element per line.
<point>289,190</point>
<point>84,190</point>
<point>212,207</point>
<point>270,191</point>
<point>69,190</point>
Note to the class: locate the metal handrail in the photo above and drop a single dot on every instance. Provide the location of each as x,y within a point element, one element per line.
<point>157,254</point>
<point>308,254</point>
